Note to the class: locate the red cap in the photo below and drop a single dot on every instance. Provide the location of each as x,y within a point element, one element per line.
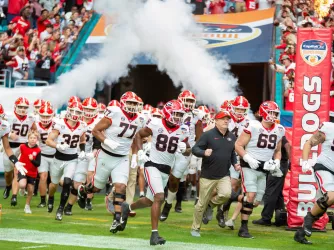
<point>222,114</point>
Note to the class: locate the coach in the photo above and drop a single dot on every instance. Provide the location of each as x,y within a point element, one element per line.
<point>216,147</point>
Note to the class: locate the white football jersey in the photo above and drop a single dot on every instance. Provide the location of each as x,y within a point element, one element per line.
<point>122,129</point>
<point>4,128</point>
<point>69,135</point>
<point>21,127</point>
<point>190,119</point>
<point>263,141</point>
<point>43,136</point>
<point>236,127</point>
<point>326,156</point>
<point>89,135</point>
<point>165,141</point>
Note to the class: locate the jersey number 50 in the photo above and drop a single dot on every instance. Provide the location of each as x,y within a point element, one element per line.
<point>21,130</point>
<point>267,141</point>
<point>164,144</point>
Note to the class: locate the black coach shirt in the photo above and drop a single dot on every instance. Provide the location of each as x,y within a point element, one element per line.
<point>218,164</point>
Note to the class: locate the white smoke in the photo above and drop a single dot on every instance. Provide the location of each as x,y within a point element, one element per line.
<point>160,30</point>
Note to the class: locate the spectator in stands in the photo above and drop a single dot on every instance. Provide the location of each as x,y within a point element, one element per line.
<point>291,52</point>
<point>14,8</point>
<point>77,19</point>
<point>48,4</point>
<point>32,51</point>
<point>43,64</point>
<point>20,65</point>
<point>43,21</point>
<point>289,91</point>
<point>240,6</point>
<point>69,14</point>
<point>88,4</point>
<point>21,23</point>
<point>58,23</point>
<point>47,33</point>
<point>11,48</point>
<point>36,13</point>
<point>216,7</point>
<point>199,6</point>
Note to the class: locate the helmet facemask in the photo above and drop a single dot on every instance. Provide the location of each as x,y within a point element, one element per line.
<point>131,107</point>
<point>272,116</point>
<point>188,103</point>
<point>45,119</point>
<point>74,114</point>
<point>21,110</point>
<point>239,113</point>
<point>177,117</point>
<point>89,112</point>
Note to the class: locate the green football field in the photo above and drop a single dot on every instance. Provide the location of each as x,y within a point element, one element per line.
<point>90,230</point>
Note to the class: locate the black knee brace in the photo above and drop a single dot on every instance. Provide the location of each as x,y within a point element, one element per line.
<point>322,202</point>
<point>67,183</point>
<point>74,191</point>
<point>246,204</point>
<point>119,196</point>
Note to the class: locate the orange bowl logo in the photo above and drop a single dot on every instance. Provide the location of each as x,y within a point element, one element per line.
<point>219,35</point>
<point>313,52</point>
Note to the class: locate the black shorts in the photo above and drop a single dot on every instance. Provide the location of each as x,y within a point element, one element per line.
<point>30,180</point>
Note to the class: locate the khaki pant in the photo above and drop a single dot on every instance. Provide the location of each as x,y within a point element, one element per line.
<point>223,188</point>
<point>131,186</point>
<point>240,6</point>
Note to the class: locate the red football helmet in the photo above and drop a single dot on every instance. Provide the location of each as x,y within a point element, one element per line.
<point>160,105</point>
<point>157,113</point>
<point>102,108</point>
<point>204,109</point>
<point>73,99</point>
<point>114,103</point>
<point>74,111</point>
<point>140,104</point>
<point>147,110</point>
<point>269,111</point>
<point>38,103</point>
<point>89,107</point>
<point>226,106</point>
<point>173,112</point>
<point>2,112</point>
<point>130,102</point>
<point>188,100</point>
<point>46,114</point>
<point>239,108</point>
<point>21,106</point>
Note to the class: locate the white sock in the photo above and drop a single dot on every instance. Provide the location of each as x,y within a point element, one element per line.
<point>155,230</point>
<point>141,193</point>
<point>193,188</point>
<point>170,197</point>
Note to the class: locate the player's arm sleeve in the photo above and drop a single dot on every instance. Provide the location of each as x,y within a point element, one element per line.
<point>96,144</point>
<point>200,146</point>
<point>37,161</point>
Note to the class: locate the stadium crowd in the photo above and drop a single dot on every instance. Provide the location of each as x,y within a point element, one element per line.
<point>291,16</point>
<point>36,34</point>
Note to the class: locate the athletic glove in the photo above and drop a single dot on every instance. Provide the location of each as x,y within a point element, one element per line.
<point>269,165</point>
<point>134,161</point>
<point>63,146</point>
<point>89,156</point>
<point>277,173</point>
<point>182,147</point>
<point>142,157</point>
<point>111,144</point>
<point>20,167</point>
<point>82,155</point>
<point>253,163</point>
<point>306,166</point>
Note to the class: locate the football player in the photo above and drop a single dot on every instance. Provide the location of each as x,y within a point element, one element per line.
<point>90,109</point>
<point>44,128</point>
<point>238,109</point>
<point>66,136</point>
<point>38,103</point>
<point>194,123</point>
<point>116,131</point>
<point>324,174</point>
<point>257,145</point>
<point>168,137</point>
<point>20,124</point>
<point>4,132</point>
<point>101,109</point>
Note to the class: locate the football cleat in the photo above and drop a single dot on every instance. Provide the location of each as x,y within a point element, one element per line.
<point>165,212</point>
<point>6,192</point>
<point>68,210</point>
<point>13,201</point>
<point>192,194</point>
<point>209,213</point>
<point>115,226</point>
<point>27,209</point>
<point>205,219</point>
<point>125,215</point>
<point>178,208</point>
<point>50,205</point>
<point>89,206</point>
<point>261,222</point>
<point>308,222</point>
<point>59,214</point>
<point>82,202</point>
<point>156,239</point>
<point>220,218</point>
<point>300,237</point>
<point>243,232</point>
<point>230,224</point>
<point>41,205</point>
<point>82,194</point>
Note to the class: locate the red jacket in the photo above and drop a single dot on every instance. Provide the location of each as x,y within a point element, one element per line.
<point>22,25</point>
<point>31,166</point>
<point>15,6</point>
<point>217,8</point>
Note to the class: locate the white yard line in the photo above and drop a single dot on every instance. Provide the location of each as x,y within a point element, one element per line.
<point>34,236</point>
<point>33,247</point>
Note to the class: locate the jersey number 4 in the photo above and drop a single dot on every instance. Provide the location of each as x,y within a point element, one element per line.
<point>125,127</point>
<point>164,144</point>
<point>267,141</point>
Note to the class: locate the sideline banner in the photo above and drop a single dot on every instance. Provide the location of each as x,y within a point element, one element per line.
<point>312,83</point>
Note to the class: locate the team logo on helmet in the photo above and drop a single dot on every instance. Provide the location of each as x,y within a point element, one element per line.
<point>313,52</point>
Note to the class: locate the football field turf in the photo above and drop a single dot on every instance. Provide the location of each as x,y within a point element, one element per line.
<point>90,230</point>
